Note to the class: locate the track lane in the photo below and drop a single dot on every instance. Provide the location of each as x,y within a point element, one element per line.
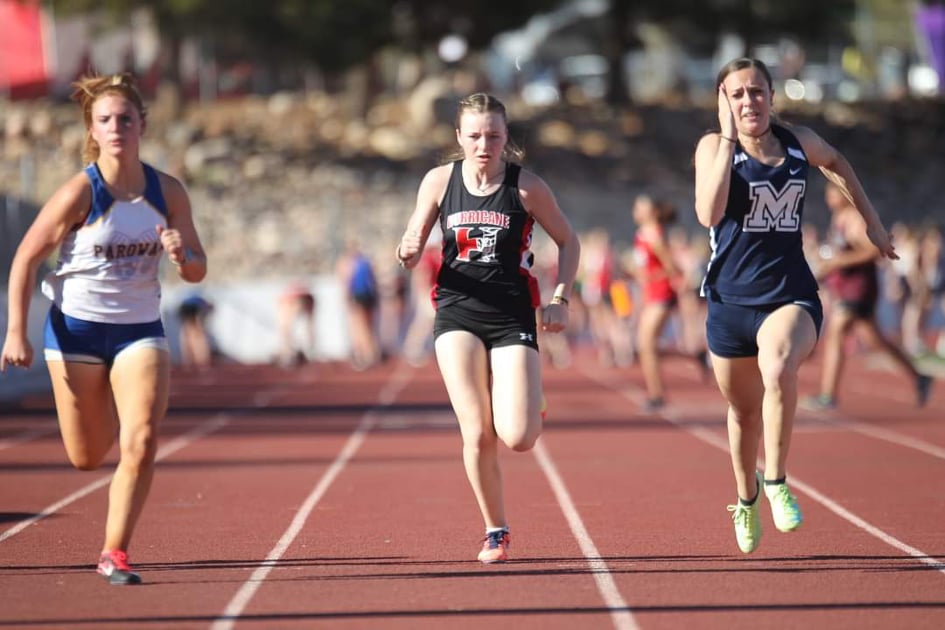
<point>860,593</point>
<point>412,542</point>
<point>631,478</point>
<point>193,514</point>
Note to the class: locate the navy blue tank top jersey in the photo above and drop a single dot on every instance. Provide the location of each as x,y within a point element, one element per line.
<point>486,242</point>
<point>757,257</point>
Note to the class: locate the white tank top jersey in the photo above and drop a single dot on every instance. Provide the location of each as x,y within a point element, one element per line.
<point>108,266</point>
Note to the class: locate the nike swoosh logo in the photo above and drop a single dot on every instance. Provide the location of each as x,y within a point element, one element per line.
<point>794,171</point>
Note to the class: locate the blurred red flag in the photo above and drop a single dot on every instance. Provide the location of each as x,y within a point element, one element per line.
<point>23,68</point>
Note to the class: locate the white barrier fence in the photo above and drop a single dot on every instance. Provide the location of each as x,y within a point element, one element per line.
<point>243,326</point>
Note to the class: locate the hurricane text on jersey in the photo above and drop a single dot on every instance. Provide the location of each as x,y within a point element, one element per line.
<point>486,243</point>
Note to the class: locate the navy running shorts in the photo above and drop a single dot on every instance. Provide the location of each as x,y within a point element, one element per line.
<point>70,339</point>
<point>732,329</point>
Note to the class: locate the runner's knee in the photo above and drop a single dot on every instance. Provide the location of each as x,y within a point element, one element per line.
<point>522,437</point>
<point>139,446</point>
<point>84,459</point>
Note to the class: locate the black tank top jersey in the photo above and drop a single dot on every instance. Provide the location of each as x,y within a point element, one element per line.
<point>486,244</point>
<point>757,257</point>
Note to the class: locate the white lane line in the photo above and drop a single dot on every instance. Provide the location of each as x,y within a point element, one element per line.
<point>829,418</point>
<point>26,436</point>
<point>722,444</point>
<point>888,394</point>
<point>890,540</point>
<point>710,438</point>
<point>886,435</point>
<point>241,599</point>
<point>839,420</point>
<point>213,424</point>
<point>620,612</point>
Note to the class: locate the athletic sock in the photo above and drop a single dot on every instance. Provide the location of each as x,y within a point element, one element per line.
<point>750,503</point>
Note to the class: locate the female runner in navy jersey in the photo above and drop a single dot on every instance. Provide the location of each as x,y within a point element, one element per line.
<point>485,328</point>
<point>764,314</point>
<point>105,346</point>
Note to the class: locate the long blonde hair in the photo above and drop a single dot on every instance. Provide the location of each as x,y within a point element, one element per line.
<point>89,88</point>
<point>482,103</point>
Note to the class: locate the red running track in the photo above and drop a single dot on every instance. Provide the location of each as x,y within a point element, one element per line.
<point>328,498</point>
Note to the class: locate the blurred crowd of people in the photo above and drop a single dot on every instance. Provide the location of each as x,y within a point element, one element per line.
<point>911,299</point>
<point>615,312</point>
<point>856,285</point>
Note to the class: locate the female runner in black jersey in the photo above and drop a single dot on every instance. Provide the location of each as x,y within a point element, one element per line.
<point>485,328</point>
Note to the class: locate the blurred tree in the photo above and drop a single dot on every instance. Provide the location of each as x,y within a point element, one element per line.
<point>757,21</point>
<point>699,24</point>
<point>334,35</point>
<point>478,21</point>
<point>617,42</point>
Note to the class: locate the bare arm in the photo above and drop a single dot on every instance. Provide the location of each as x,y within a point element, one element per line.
<point>180,240</point>
<point>65,209</point>
<point>713,175</point>
<point>421,222</point>
<point>861,249</point>
<point>837,169</point>
<point>714,165</point>
<point>861,253</point>
<point>540,202</point>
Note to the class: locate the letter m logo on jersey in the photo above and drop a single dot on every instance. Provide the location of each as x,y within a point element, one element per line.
<point>772,209</point>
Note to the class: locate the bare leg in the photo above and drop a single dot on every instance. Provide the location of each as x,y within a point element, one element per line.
<point>876,339</point>
<point>140,381</point>
<point>740,382</point>
<point>785,339</point>
<point>839,324</point>
<point>652,320</point>
<point>195,347</point>
<point>516,396</point>
<point>85,410</point>
<point>464,365</point>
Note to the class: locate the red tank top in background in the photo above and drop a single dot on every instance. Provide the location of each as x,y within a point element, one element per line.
<point>854,284</point>
<point>654,279</point>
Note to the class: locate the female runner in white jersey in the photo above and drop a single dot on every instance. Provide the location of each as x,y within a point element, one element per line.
<point>104,341</point>
<point>485,328</point>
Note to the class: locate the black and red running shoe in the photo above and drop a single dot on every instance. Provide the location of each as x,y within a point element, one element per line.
<point>113,565</point>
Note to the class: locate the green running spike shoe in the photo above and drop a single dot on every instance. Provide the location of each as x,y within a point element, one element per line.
<point>784,509</point>
<point>747,522</point>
